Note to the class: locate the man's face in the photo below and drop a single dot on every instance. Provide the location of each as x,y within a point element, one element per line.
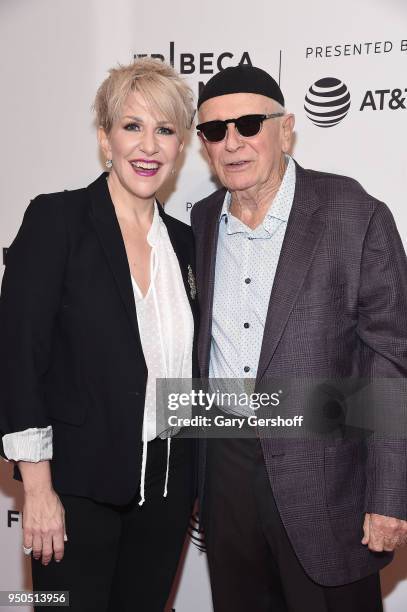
<point>243,163</point>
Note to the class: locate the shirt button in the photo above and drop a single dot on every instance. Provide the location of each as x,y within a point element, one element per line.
<point>247,280</point>
<point>246,369</point>
<point>246,325</point>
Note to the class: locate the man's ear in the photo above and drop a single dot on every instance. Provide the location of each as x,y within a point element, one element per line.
<point>104,143</point>
<point>287,129</point>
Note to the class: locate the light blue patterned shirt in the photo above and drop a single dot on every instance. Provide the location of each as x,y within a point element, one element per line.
<point>246,263</point>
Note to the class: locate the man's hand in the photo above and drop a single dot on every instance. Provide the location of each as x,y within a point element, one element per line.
<point>384,532</point>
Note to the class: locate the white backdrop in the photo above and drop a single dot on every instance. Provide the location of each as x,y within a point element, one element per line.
<point>54,54</point>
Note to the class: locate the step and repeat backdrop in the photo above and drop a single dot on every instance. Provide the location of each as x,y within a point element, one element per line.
<point>53,56</point>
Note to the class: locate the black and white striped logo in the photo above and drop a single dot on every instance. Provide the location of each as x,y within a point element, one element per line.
<point>327,102</point>
<point>196,536</point>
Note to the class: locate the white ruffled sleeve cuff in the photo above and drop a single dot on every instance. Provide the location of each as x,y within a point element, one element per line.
<point>33,445</point>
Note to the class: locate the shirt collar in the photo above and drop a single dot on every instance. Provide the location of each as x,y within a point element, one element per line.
<point>280,207</point>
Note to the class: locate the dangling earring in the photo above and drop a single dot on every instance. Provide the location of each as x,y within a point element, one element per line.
<point>173,171</point>
<point>109,164</point>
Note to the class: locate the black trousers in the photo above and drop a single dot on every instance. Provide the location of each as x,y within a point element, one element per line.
<point>122,558</point>
<point>252,564</point>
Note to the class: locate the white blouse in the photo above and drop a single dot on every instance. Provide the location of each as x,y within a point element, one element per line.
<point>166,329</point>
<point>165,322</point>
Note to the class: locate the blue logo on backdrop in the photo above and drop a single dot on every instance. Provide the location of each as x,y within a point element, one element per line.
<point>327,102</point>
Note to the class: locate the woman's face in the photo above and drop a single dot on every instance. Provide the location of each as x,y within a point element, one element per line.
<point>143,148</point>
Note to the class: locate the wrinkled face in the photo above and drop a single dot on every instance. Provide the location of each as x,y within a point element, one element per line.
<point>142,146</point>
<point>246,163</point>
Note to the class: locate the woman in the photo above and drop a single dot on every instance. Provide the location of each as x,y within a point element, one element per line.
<point>98,300</point>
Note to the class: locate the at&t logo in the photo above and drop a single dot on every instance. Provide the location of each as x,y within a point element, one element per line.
<point>327,102</point>
<point>196,536</point>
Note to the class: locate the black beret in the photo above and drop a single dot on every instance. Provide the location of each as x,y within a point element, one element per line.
<point>241,79</point>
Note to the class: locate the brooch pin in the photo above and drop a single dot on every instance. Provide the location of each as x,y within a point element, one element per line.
<point>191,282</point>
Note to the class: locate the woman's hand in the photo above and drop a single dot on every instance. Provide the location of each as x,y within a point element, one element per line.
<point>43,514</point>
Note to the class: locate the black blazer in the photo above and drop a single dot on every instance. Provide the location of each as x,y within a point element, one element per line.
<point>70,350</point>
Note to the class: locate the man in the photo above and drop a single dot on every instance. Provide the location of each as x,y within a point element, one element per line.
<point>300,274</point>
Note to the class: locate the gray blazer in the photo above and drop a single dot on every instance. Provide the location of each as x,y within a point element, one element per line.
<point>338,309</point>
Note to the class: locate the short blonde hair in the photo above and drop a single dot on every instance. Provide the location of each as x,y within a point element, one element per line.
<point>164,91</point>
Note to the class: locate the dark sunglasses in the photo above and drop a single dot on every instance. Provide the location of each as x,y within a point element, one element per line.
<point>248,125</point>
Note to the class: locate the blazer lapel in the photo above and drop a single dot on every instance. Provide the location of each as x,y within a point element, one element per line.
<point>304,231</point>
<point>207,262</point>
<point>184,251</point>
<point>107,227</point>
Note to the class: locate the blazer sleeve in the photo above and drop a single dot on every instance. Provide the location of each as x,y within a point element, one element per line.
<point>30,299</point>
<point>382,326</point>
